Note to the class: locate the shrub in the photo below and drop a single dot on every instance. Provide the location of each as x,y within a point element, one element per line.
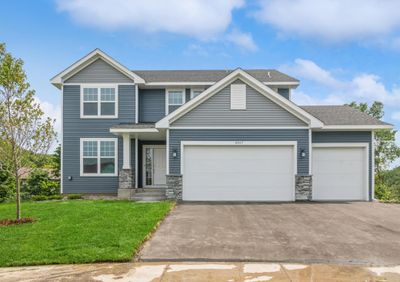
<point>55,197</point>
<point>74,196</point>
<point>38,198</point>
<point>40,183</point>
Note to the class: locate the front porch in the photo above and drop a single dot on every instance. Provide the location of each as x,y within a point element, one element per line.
<point>143,175</point>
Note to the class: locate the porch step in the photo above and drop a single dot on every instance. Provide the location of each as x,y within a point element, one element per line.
<point>149,194</point>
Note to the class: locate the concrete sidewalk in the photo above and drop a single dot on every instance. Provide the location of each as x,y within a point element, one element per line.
<point>187,272</point>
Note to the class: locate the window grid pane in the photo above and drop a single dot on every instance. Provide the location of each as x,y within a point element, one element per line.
<point>90,94</point>
<point>107,94</point>
<point>89,148</point>
<point>107,148</point>
<point>175,97</point>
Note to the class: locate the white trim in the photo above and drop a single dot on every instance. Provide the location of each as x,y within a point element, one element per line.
<point>166,102</point>
<point>179,83</point>
<point>252,82</point>
<point>182,90</point>
<point>195,89</point>
<point>351,145</point>
<point>98,83</point>
<point>136,162</point>
<point>241,143</point>
<point>282,83</point>
<point>206,83</point>
<point>373,165</point>
<point>62,142</point>
<point>238,127</point>
<point>356,127</point>
<point>136,103</point>
<point>98,157</point>
<point>133,130</point>
<point>167,150</point>
<point>126,151</point>
<point>58,79</point>
<point>99,86</point>
<point>310,151</point>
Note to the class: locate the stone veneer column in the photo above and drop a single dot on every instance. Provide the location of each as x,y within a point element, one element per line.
<point>303,187</point>
<point>174,187</point>
<point>126,183</point>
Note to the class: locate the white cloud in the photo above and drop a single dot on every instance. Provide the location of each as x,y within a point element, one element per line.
<point>396,116</point>
<point>310,70</point>
<point>202,19</point>
<point>332,20</point>
<point>243,40</point>
<point>54,112</point>
<point>362,87</point>
<point>301,98</point>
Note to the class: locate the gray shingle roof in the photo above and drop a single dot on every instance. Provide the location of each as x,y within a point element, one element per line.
<point>264,75</point>
<point>341,115</point>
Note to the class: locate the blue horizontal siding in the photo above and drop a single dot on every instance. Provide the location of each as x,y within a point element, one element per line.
<point>75,128</point>
<point>178,135</point>
<point>151,105</point>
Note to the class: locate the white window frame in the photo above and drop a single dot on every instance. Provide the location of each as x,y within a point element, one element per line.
<point>99,86</point>
<point>182,90</point>
<point>99,157</point>
<point>192,90</point>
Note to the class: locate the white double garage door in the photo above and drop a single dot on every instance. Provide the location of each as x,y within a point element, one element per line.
<point>265,171</point>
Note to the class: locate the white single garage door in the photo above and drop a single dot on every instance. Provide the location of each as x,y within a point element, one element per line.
<point>238,172</point>
<point>340,173</point>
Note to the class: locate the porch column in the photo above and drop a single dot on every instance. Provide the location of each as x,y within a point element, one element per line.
<point>126,163</point>
<point>126,176</point>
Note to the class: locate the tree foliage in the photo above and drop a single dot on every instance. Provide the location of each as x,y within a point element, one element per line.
<point>386,150</point>
<point>23,128</point>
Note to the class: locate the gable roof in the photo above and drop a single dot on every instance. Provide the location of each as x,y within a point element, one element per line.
<point>343,115</point>
<point>251,81</point>
<point>267,76</point>
<point>87,60</point>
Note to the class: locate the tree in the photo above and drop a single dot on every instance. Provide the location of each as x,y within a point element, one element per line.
<point>23,128</point>
<point>386,150</point>
<point>57,161</point>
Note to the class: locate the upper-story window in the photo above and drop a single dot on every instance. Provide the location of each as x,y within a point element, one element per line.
<point>99,102</point>
<point>176,97</point>
<point>195,92</point>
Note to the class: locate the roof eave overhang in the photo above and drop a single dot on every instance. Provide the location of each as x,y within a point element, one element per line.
<point>59,79</point>
<point>133,130</point>
<point>253,82</point>
<point>354,127</point>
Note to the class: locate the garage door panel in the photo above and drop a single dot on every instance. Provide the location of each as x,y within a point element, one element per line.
<point>339,173</point>
<point>238,173</point>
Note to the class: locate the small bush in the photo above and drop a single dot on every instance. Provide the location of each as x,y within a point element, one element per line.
<point>74,196</point>
<point>55,197</point>
<point>40,183</point>
<point>38,198</point>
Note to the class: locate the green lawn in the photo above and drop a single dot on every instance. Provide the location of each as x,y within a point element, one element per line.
<point>77,231</point>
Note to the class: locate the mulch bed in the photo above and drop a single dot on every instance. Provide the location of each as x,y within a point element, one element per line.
<point>16,221</point>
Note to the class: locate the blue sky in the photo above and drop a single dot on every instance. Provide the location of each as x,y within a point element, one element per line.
<point>340,51</point>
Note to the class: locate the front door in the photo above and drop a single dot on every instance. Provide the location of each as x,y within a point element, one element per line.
<point>154,165</point>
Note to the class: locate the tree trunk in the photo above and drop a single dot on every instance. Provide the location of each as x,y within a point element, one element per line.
<point>18,196</point>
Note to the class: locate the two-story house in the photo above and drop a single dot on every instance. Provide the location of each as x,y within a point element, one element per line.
<point>207,135</point>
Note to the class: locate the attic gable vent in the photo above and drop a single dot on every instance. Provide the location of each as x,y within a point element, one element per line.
<point>238,96</point>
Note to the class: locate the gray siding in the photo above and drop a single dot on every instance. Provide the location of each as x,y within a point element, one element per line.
<point>347,137</point>
<point>299,135</point>
<point>284,92</point>
<point>260,111</point>
<point>75,128</point>
<point>151,105</point>
<point>99,72</point>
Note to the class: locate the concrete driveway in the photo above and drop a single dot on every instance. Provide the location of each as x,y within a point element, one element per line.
<point>355,233</point>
